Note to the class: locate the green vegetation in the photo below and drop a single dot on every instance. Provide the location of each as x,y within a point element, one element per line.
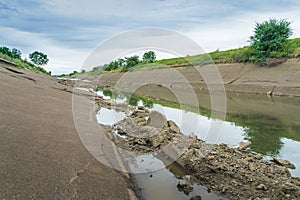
<point>291,49</point>
<point>72,74</point>
<point>122,64</point>
<point>96,70</point>
<point>270,40</point>
<point>14,53</point>
<point>126,64</point>
<point>38,58</point>
<point>149,57</point>
<point>14,56</point>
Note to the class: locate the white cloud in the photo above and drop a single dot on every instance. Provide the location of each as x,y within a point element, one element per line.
<point>69,30</point>
<point>234,32</point>
<point>62,59</point>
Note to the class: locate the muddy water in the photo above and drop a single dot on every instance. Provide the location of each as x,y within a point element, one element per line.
<point>272,124</point>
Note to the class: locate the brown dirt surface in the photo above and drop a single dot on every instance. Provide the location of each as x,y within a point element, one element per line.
<point>41,154</point>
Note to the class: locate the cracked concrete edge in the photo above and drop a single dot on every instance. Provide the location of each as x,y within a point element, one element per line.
<point>134,192</point>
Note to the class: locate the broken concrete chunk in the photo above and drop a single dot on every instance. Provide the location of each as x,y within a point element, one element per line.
<point>283,162</point>
<point>184,186</point>
<point>262,187</point>
<point>173,126</point>
<point>244,145</point>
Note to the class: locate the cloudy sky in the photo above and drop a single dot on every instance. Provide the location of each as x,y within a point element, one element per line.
<point>68,31</point>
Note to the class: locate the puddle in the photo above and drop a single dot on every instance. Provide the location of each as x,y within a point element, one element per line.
<point>109,116</point>
<point>162,183</point>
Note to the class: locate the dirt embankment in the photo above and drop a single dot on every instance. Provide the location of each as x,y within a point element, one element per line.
<point>282,79</point>
<point>41,154</point>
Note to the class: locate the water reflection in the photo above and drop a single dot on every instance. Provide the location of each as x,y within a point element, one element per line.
<point>109,117</point>
<point>272,127</point>
<point>162,183</point>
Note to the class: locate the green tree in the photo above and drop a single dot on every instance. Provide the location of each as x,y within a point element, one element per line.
<point>132,61</point>
<point>15,53</point>
<point>96,68</point>
<point>111,66</point>
<point>5,51</point>
<point>149,56</point>
<point>39,58</point>
<point>269,38</point>
<point>121,62</point>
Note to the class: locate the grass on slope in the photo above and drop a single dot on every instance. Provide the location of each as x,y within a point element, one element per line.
<point>24,64</point>
<point>240,55</point>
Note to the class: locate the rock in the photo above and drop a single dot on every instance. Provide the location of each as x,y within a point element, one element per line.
<point>140,141</point>
<point>283,162</point>
<point>173,126</point>
<point>288,188</point>
<point>139,121</point>
<point>196,198</point>
<point>139,114</point>
<point>142,108</point>
<point>193,136</point>
<point>252,167</point>
<point>244,145</point>
<point>270,93</point>
<point>262,187</point>
<point>187,178</point>
<point>184,186</point>
<point>157,140</point>
<point>156,119</point>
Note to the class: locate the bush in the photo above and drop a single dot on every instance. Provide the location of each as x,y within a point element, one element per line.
<point>275,54</point>
<point>111,66</point>
<point>39,58</point>
<point>149,57</point>
<point>132,61</point>
<point>269,37</point>
<point>296,52</point>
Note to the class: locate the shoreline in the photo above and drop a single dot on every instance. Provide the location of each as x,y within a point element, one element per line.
<point>230,172</point>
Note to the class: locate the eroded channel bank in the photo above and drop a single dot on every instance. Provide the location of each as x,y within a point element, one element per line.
<point>280,80</point>
<point>235,173</point>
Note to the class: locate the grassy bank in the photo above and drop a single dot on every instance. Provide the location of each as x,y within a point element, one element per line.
<point>24,64</point>
<point>239,55</point>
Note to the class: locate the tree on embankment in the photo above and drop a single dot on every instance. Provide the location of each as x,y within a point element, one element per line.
<point>270,40</point>
<point>39,58</point>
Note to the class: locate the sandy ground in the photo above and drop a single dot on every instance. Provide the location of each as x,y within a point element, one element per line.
<point>41,154</point>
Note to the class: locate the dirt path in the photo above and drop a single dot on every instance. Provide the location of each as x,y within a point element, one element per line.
<point>41,154</point>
